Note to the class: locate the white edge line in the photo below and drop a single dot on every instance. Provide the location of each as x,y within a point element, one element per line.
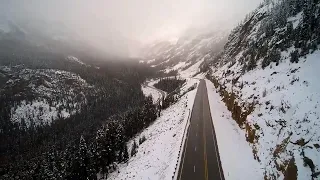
<point>185,137</point>
<point>214,142</point>
<point>215,146</point>
<point>184,154</point>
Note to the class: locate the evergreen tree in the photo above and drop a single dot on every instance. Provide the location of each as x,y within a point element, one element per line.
<point>83,158</point>
<point>125,156</point>
<point>123,153</point>
<point>134,148</point>
<point>294,57</point>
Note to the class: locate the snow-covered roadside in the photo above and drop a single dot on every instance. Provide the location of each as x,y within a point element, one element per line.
<point>157,156</point>
<point>147,91</point>
<point>235,152</point>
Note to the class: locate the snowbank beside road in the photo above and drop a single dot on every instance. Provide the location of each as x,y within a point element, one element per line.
<point>235,152</point>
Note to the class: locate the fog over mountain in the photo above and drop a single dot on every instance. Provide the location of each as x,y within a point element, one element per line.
<point>118,26</point>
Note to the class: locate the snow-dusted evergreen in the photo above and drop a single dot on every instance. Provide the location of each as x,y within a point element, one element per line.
<point>60,119</point>
<point>42,95</point>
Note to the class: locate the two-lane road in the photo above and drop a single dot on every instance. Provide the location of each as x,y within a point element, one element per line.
<point>200,156</point>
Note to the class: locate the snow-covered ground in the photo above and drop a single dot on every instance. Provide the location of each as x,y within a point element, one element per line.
<point>176,67</point>
<point>39,112</point>
<point>235,152</point>
<point>151,83</point>
<point>157,156</point>
<point>194,69</point>
<point>295,20</point>
<point>147,91</point>
<point>74,59</point>
<point>185,51</point>
<point>150,61</point>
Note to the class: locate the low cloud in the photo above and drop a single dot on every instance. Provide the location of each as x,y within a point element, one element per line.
<point>121,25</point>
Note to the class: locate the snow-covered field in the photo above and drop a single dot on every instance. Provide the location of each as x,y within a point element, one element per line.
<point>235,152</point>
<point>157,156</point>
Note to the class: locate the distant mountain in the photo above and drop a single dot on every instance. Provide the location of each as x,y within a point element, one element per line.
<point>174,56</point>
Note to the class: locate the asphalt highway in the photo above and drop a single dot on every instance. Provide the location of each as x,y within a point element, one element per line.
<point>200,156</point>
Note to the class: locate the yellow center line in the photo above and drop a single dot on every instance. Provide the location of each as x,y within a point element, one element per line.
<point>205,150</point>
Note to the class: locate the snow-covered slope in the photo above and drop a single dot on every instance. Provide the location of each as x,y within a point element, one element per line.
<point>178,56</point>
<point>74,59</point>
<point>267,76</point>
<point>40,96</point>
<point>149,91</point>
<point>230,137</point>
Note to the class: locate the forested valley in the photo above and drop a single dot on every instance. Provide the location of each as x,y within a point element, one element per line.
<point>102,100</point>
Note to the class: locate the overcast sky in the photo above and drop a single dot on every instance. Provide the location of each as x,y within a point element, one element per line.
<point>123,20</point>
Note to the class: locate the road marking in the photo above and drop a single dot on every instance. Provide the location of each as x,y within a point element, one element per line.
<point>196,134</point>
<point>213,138</point>
<point>195,148</point>
<point>186,143</point>
<point>184,153</point>
<point>205,148</point>
<point>216,149</point>
<point>194,168</point>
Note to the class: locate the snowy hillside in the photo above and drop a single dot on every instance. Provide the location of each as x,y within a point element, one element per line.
<point>74,59</point>
<point>42,95</point>
<point>188,50</point>
<point>267,76</point>
<point>149,91</point>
